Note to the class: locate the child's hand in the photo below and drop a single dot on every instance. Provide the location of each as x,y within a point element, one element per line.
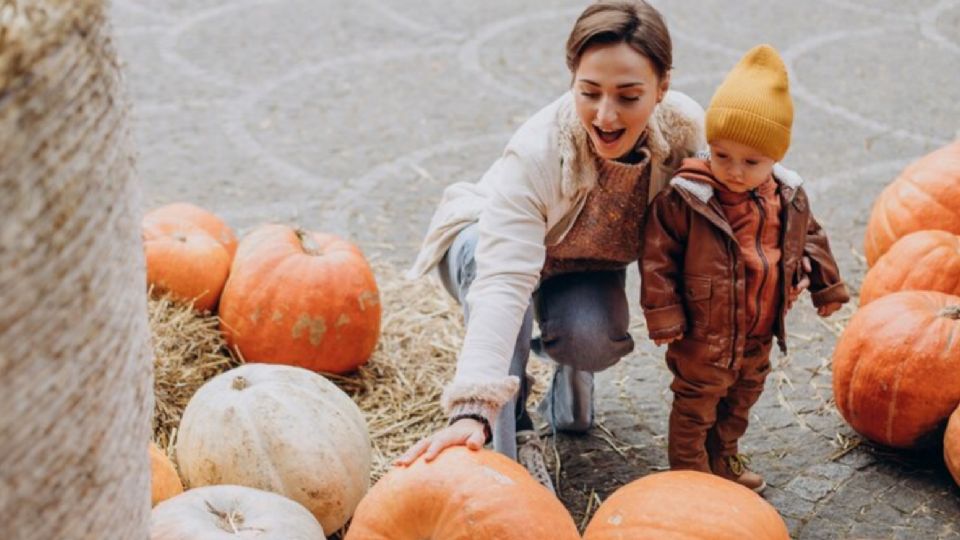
<point>665,341</point>
<point>828,309</point>
<point>801,285</point>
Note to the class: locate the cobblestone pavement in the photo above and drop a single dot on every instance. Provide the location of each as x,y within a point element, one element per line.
<point>351,116</point>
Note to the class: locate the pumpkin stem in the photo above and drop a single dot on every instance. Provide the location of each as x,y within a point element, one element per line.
<point>951,312</point>
<point>309,245</point>
<point>239,383</point>
<point>232,519</point>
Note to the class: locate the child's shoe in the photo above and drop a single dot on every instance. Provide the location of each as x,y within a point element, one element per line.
<point>735,468</point>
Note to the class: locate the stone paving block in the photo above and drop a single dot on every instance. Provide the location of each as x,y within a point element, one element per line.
<point>810,488</point>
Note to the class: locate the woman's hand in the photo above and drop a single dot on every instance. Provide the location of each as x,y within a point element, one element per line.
<point>665,341</point>
<point>801,285</point>
<point>464,432</point>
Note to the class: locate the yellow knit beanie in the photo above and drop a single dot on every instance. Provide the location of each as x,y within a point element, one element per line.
<point>752,106</point>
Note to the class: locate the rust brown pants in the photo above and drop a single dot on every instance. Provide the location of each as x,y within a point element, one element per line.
<point>711,404</point>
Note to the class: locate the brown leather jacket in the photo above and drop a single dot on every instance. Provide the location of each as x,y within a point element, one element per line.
<point>694,276</point>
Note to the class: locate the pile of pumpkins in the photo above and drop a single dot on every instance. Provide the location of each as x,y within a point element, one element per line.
<point>896,367</point>
<point>271,445</point>
<point>273,449</point>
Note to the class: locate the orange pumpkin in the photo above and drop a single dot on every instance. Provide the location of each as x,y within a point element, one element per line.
<point>951,445</point>
<point>301,298</point>
<point>685,505</point>
<point>896,368</point>
<point>188,264</point>
<point>178,216</point>
<point>164,480</point>
<point>923,260</point>
<point>926,195</point>
<point>461,495</point>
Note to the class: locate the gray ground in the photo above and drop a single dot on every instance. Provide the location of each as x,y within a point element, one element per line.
<point>351,116</point>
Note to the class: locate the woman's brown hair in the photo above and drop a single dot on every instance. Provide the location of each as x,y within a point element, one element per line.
<point>634,22</point>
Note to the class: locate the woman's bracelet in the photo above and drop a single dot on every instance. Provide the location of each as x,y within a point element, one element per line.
<point>487,433</point>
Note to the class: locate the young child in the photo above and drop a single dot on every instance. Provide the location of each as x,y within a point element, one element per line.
<point>724,246</point>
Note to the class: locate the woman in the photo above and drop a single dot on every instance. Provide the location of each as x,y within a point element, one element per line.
<point>549,230</point>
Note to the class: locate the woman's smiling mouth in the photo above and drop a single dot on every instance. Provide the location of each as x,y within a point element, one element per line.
<point>609,137</point>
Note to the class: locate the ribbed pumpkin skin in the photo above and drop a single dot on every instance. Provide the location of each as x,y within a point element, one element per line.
<point>920,261</point>
<point>461,495</point>
<point>926,195</point>
<point>177,216</point>
<point>164,480</point>
<point>228,512</point>
<point>282,429</point>
<point>301,298</point>
<point>951,445</point>
<point>896,367</point>
<point>685,505</point>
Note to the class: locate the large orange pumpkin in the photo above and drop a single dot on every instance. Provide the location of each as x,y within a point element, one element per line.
<point>685,505</point>
<point>951,445</point>
<point>181,215</point>
<point>461,495</point>
<point>923,260</point>
<point>164,480</point>
<point>926,195</point>
<point>301,298</point>
<point>896,368</point>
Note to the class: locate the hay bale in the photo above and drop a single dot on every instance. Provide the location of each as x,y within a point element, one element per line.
<point>74,356</point>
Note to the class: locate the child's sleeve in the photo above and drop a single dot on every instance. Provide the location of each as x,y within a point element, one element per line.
<point>826,286</point>
<point>661,267</point>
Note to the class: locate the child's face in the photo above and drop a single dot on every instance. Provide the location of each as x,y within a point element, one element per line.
<point>737,166</point>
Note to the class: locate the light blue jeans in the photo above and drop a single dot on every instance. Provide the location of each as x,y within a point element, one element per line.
<point>583,319</point>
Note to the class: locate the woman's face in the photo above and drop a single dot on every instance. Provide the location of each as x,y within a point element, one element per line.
<point>616,90</point>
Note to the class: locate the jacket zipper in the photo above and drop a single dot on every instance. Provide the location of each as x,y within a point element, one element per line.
<point>731,248</point>
<point>763,259</point>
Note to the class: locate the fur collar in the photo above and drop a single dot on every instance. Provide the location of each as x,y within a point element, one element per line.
<point>579,162</point>
<point>704,192</point>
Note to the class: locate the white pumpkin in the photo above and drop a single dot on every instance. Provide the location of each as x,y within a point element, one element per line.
<point>282,429</point>
<point>231,512</point>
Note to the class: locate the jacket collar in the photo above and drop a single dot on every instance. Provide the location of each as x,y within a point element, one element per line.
<point>789,181</point>
<point>579,162</point>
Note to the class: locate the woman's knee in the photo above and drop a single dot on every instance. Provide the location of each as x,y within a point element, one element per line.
<point>586,348</point>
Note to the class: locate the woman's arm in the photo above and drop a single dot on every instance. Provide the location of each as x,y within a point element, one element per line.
<point>509,256</point>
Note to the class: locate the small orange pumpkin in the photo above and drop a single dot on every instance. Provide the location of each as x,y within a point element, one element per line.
<point>164,480</point>
<point>188,264</point>
<point>188,252</point>
<point>177,216</point>
<point>461,495</point>
<point>896,367</point>
<point>926,195</point>
<point>921,261</point>
<point>688,505</point>
<point>951,445</point>
<point>301,298</point>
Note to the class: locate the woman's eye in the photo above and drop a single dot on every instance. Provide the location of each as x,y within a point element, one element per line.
<point>590,95</point>
<point>630,98</point>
